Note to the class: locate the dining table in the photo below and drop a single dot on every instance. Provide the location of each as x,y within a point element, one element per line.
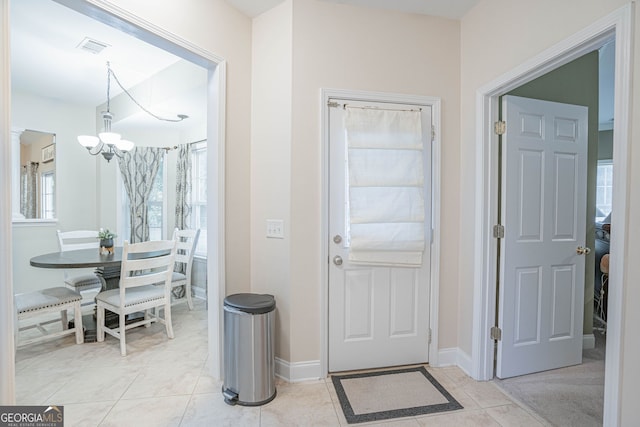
<point>107,268</point>
<point>107,265</point>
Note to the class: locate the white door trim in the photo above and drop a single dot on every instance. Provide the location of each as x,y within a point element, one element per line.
<point>435,104</point>
<point>216,100</point>
<point>618,24</point>
<point>106,12</point>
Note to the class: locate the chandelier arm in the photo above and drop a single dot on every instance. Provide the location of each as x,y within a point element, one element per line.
<point>115,150</point>
<point>97,149</point>
<point>180,118</point>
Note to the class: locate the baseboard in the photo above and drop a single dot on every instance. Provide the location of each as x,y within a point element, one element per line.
<point>200,293</point>
<point>446,357</point>
<point>454,357</point>
<point>310,370</point>
<point>298,371</point>
<point>588,341</point>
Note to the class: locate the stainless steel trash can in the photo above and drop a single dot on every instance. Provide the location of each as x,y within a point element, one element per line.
<point>249,362</point>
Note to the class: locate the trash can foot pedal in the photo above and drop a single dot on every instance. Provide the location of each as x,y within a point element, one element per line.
<point>230,397</point>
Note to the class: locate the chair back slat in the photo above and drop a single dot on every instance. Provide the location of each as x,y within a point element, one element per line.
<point>77,239</point>
<point>186,242</point>
<point>146,267</point>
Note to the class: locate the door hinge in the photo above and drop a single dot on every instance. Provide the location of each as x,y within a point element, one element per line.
<point>496,333</point>
<point>429,336</point>
<point>498,231</point>
<point>500,127</point>
<point>433,133</point>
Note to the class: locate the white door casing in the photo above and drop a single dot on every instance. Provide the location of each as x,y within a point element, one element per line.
<point>544,216</point>
<point>378,316</point>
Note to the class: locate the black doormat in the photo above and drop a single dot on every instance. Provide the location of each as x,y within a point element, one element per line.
<point>383,395</point>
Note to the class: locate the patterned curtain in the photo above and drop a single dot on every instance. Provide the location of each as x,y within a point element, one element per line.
<point>28,190</point>
<point>139,168</point>
<point>183,187</point>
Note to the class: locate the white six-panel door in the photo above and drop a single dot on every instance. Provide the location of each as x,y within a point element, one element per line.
<point>544,177</point>
<point>378,316</point>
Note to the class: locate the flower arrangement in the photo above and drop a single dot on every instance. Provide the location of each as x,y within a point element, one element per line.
<point>106,241</point>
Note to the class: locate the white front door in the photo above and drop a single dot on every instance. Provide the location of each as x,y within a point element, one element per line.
<point>378,316</point>
<point>544,177</point>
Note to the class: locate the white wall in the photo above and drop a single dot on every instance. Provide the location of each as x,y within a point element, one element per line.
<point>75,184</point>
<point>271,163</point>
<point>219,28</point>
<point>340,47</point>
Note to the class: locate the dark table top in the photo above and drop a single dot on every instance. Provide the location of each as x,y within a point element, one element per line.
<point>78,259</point>
<point>83,258</point>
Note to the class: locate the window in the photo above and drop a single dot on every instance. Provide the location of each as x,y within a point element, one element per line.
<point>155,205</point>
<point>604,189</point>
<point>47,196</point>
<point>199,195</point>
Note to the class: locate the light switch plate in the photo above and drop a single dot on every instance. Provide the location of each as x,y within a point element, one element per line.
<point>275,229</point>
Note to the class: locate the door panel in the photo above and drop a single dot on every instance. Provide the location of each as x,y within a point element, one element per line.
<point>378,316</point>
<point>544,214</point>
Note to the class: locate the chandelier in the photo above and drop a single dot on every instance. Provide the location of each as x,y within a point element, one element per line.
<point>110,143</point>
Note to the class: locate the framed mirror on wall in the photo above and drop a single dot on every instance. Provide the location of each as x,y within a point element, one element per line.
<point>34,175</point>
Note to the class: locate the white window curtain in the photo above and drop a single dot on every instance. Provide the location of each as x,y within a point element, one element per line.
<point>385,186</point>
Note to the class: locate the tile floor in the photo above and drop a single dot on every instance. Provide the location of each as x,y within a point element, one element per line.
<point>164,382</point>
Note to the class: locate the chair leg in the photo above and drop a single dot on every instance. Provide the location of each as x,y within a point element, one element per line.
<point>187,290</point>
<point>77,323</point>
<point>167,319</point>
<point>100,324</point>
<point>123,344</point>
<point>146,317</point>
<point>64,319</point>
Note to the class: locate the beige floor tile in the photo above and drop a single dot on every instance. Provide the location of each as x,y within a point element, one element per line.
<point>166,382</point>
<point>102,383</point>
<point>486,394</point>
<point>165,379</point>
<point>513,415</point>
<point>151,412</point>
<point>302,404</point>
<point>86,414</point>
<point>207,384</point>
<point>477,418</point>
<point>209,409</point>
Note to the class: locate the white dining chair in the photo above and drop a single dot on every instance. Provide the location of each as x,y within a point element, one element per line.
<point>186,242</point>
<point>145,286</point>
<point>84,281</point>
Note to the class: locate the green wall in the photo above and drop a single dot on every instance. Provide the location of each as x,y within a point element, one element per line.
<point>577,83</point>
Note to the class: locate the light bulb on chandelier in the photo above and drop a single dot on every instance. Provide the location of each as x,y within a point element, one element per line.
<point>110,143</point>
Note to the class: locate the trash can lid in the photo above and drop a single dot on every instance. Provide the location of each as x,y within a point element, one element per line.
<point>251,303</point>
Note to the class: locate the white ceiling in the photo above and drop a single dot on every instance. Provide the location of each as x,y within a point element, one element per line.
<point>45,59</point>
<point>453,9</point>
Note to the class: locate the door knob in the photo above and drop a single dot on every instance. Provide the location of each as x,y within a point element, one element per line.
<point>337,260</point>
<point>583,250</point>
<point>337,239</point>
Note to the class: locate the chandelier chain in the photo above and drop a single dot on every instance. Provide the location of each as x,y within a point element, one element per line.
<point>110,73</point>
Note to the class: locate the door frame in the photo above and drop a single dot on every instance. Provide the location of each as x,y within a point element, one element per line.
<point>434,277</point>
<point>618,24</point>
<point>110,14</point>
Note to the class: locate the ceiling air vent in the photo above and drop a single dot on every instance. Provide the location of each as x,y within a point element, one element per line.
<point>93,46</point>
